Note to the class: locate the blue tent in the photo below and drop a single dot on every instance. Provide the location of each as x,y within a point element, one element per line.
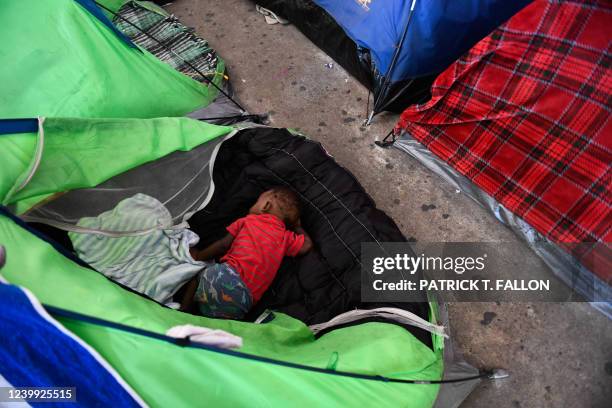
<point>396,47</point>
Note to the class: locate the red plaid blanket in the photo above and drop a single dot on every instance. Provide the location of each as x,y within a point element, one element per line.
<point>525,114</point>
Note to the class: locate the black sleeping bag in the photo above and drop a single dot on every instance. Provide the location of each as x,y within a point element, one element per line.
<point>336,212</point>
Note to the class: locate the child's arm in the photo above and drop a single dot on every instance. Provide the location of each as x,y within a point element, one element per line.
<point>214,250</point>
<point>307,241</point>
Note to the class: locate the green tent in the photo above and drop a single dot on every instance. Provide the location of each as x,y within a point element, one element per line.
<point>81,153</point>
<point>59,59</point>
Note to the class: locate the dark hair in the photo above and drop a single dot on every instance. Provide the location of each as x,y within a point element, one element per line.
<point>289,204</point>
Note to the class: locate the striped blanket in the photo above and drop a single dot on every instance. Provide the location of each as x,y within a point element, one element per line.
<point>137,246</point>
<point>169,40</point>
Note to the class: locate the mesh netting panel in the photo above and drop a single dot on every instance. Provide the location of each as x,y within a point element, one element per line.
<point>181,181</point>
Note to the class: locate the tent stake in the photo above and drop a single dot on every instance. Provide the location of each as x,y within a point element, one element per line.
<point>386,142</point>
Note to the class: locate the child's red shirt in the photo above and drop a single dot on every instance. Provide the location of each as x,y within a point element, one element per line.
<point>260,243</point>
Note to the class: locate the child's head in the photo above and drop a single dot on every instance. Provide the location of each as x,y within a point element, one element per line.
<point>279,201</point>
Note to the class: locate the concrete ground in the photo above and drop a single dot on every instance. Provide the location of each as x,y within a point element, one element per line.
<point>559,355</point>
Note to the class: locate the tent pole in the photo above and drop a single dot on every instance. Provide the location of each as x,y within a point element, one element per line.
<point>383,89</point>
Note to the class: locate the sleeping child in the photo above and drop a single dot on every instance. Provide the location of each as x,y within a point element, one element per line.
<point>250,255</point>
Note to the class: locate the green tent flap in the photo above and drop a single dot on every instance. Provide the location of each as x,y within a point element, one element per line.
<point>164,373</point>
<point>184,377</point>
<point>59,60</point>
<point>79,153</point>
